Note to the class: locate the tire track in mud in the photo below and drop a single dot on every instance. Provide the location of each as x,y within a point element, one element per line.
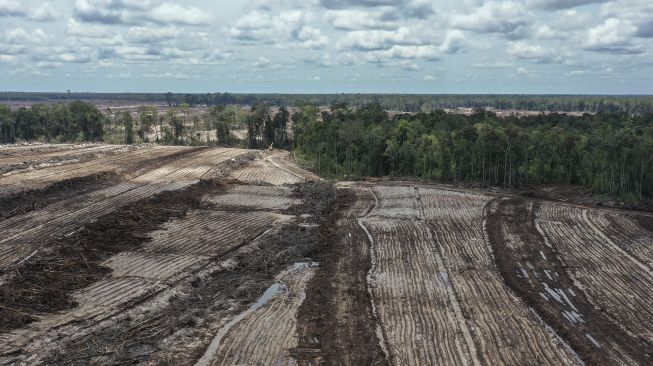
<point>381,336</point>
<point>266,331</point>
<point>21,164</point>
<point>610,280</point>
<point>336,324</point>
<point>267,172</point>
<point>45,282</point>
<point>531,267</point>
<point>25,202</point>
<point>38,178</point>
<point>65,215</point>
<point>502,329</point>
<point>417,306</point>
<point>627,232</point>
<point>159,332</point>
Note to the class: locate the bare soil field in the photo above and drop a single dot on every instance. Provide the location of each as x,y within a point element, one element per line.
<point>161,255</point>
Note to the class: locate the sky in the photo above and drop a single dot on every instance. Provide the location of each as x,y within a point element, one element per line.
<point>328,46</point>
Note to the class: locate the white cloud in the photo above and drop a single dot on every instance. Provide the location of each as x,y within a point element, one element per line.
<point>75,28</point>
<point>166,75</point>
<point>358,19</point>
<point>369,40</point>
<point>8,58</point>
<point>639,13</point>
<point>564,26</point>
<point>563,4</point>
<point>150,35</point>
<point>264,63</point>
<point>509,18</point>
<point>429,78</point>
<point>613,36</point>
<point>139,12</point>
<point>492,65</point>
<point>289,27</point>
<point>312,38</point>
<point>534,52</point>
<point>426,52</point>
<point>374,39</point>
<point>20,36</point>
<point>44,11</point>
<point>453,41</point>
<point>171,13</point>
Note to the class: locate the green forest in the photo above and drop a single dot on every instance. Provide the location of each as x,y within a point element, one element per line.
<point>609,153</point>
<point>396,102</point>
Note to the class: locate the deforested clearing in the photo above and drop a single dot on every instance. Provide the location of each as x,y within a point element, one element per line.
<point>152,255</point>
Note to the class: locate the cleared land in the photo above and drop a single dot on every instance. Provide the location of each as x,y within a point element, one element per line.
<point>217,256</point>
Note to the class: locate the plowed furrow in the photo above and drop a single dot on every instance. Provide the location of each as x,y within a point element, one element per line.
<point>625,232</point>
<point>396,203</point>
<point>255,197</point>
<point>412,294</point>
<point>607,273</point>
<point>266,332</point>
<point>158,267</point>
<point>30,234</point>
<point>262,171</point>
<point>504,330</point>
<point>532,267</point>
<point>209,233</point>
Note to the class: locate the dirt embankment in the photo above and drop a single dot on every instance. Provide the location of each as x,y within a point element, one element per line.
<point>533,269</point>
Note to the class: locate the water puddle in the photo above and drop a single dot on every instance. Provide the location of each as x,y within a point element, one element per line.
<point>268,295</point>
<point>593,340</point>
<point>444,276</point>
<point>305,265</point>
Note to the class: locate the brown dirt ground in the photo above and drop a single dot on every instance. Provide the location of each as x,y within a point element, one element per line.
<point>335,323</point>
<point>646,222</point>
<point>514,212</point>
<point>24,202</point>
<point>130,341</point>
<point>43,284</point>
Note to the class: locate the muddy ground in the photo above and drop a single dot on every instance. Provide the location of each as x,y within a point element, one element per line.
<point>131,341</point>
<point>517,216</point>
<point>336,323</point>
<point>464,272</point>
<point>43,283</point>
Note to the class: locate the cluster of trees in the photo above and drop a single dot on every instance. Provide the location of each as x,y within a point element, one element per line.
<point>77,121</point>
<point>398,102</point>
<point>265,130</point>
<point>606,152</point>
<point>179,125</point>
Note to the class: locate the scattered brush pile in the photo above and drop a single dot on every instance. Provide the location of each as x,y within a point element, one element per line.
<point>44,282</point>
<point>216,292</point>
<point>31,200</point>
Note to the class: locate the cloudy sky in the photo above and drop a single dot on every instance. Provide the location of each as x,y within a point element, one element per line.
<point>308,46</point>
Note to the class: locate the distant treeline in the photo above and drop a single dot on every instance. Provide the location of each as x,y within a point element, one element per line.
<point>607,152</point>
<point>397,102</point>
<point>81,122</point>
<point>76,121</point>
